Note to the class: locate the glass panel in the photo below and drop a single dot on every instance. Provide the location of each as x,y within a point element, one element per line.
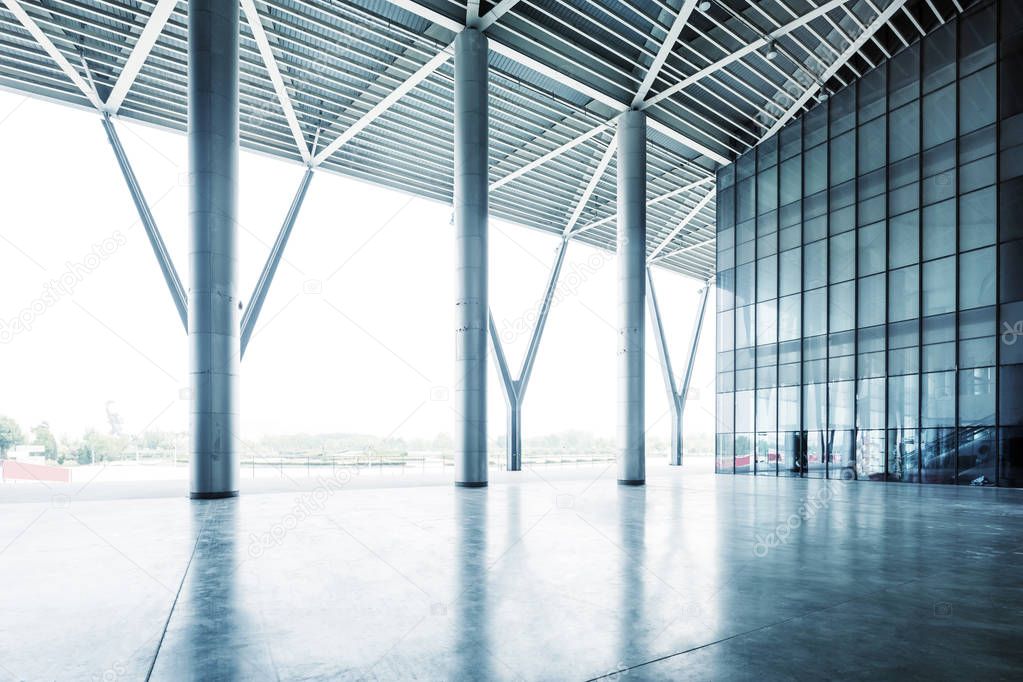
<point>724,461</point>
<point>870,403</point>
<point>815,447</point>
<point>976,456</point>
<point>938,399</point>
<point>977,39</point>
<point>789,317</point>
<point>871,306</point>
<point>904,289</point>
<point>842,257</point>
<point>815,264</point>
<point>977,396</point>
<point>815,170</point>
<point>815,308</point>
<point>904,131</point>
<point>843,158</point>
<point>872,94</point>
<point>977,219</point>
<point>843,307</point>
<point>938,455</point>
<point>977,101</point>
<point>767,278</point>
<point>790,269</point>
<point>843,110</point>
<point>791,181</point>
<point>904,239</point>
<point>870,447</point>
<point>842,455</point>
<point>903,455</point>
<point>939,225</point>
<point>767,153</point>
<point>1010,457</point>
<point>745,284</point>
<point>815,126</point>
<point>940,286</point>
<point>871,145</point>
<point>871,247</point>
<point>744,200</point>
<point>744,327</point>
<point>792,139</point>
<point>1010,397</point>
<point>903,393</point>
<point>977,278</point>
<point>939,123</point>
<point>904,76</point>
<point>788,453</point>
<point>939,55</point>
<point>767,322</point>
<point>767,190</point>
<point>744,453</point>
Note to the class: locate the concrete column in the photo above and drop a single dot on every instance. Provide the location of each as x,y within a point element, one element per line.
<point>471,303</point>
<point>214,309</point>
<point>631,296</point>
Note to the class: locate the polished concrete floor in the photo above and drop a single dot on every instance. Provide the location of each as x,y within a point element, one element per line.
<point>547,575</point>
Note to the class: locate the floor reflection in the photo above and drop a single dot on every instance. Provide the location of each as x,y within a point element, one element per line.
<point>471,620</point>
<point>632,540</point>
<point>212,634</point>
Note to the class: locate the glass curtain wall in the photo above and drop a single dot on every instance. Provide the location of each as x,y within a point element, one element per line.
<point>870,273</point>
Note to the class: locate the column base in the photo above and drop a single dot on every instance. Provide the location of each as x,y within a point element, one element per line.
<point>470,484</point>
<point>213,496</point>
<point>640,481</point>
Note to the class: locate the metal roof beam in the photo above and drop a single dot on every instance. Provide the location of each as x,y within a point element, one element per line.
<point>571,144</point>
<point>143,46</point>
<point>163,257</point>
<point>263,43</point>
<point>598,173</point>
<point>650,202</point>
<point>743,52</point>
<point>383,105</point>
<point>700,205</point>
<point>266,277</point>
<point>55,54</point>
<point>662,54</point>
<point>558,75</point>
<point>684,249</point>
<point>873,28</point>
<point>499,10</point>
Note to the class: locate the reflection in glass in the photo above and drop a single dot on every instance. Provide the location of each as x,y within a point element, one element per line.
<point>938,455</point>
<point>870,448</point>
<point>744,453</point>
<point>903,457</point>
<point>976,456</point>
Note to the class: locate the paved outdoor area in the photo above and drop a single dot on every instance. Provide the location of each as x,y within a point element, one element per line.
<point>556,575</point>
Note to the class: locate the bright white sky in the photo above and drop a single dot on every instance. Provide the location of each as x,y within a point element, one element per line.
<point>370,354</point>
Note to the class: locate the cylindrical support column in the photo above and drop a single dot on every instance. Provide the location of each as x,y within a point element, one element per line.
<point>675,458</point>
<point>514,436</point>
<point>213,302</point>
<point>471,303</point>
<point>631,297</point>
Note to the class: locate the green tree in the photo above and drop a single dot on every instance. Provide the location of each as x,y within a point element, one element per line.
<point>42,435</point>
<point>10,435</point>
<point>105,447</point>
